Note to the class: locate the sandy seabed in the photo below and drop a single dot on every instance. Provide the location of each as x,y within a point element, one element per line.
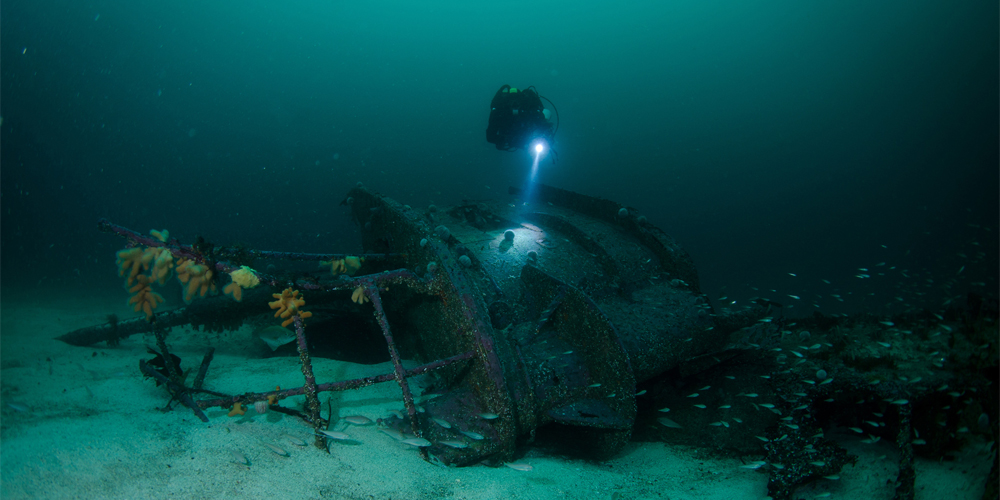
<point>81,422</point>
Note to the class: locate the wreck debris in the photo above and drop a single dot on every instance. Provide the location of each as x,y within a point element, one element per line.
<point>554,313</point>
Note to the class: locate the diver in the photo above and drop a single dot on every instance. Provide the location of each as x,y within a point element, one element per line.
<point>518,120</point>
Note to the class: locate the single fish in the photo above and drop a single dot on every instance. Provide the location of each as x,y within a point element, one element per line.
<point>519,466</point>
<point>277,449</point>
<point>442,422</point>
<point>358,420</point>
<point>17,407</point>
<point>339,436</point>
<point>666,422</point>
<point>473,435</point>
<point>295,440</point>
<point>240,458</point>
<point>418,442</point>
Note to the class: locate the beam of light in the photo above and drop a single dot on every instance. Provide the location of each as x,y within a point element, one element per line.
<point>532,176</point>
<point>538,151</point>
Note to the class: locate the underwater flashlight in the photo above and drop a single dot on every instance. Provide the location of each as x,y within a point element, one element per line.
<point>538,147</point>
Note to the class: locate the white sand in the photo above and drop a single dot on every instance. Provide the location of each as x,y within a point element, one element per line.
<point>92,430</point>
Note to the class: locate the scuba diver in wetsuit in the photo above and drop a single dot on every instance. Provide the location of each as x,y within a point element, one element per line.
<point>518,119</point>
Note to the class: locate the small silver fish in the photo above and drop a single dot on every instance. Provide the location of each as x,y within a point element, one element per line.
<point>277,449</point>
<point>418,442</point>
<point>295,440</point>
<point>240,458</point>
<point>473,435</point>
<point>18,407</point>
<point>523,467</point>
<point>442,422</point>
<point>358,420</point>
<point>339,436</point>
<point>666,422</point>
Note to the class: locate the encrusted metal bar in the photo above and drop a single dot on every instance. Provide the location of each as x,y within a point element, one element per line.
<point>344,385</point>
<point>371,291</point>
<point>189,252</point>
<point>203,369</point>
<point>161,343</point>
<point>312,402</point>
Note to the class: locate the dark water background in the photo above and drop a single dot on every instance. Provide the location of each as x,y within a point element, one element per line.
<point>769,138</point>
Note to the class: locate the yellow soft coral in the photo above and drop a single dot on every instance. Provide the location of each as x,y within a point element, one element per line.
<point>359,296</point>
<point>160,235</point>
<point>234,290</point>
<point>237,410</point>
<point>145,299</point>
<point>163,264</point>
<point>288,305</point>
<point>134,260</point>
<point>244,277</point>
<point>348,265</point>
<point>182,272</point>
<point>197,277</point>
